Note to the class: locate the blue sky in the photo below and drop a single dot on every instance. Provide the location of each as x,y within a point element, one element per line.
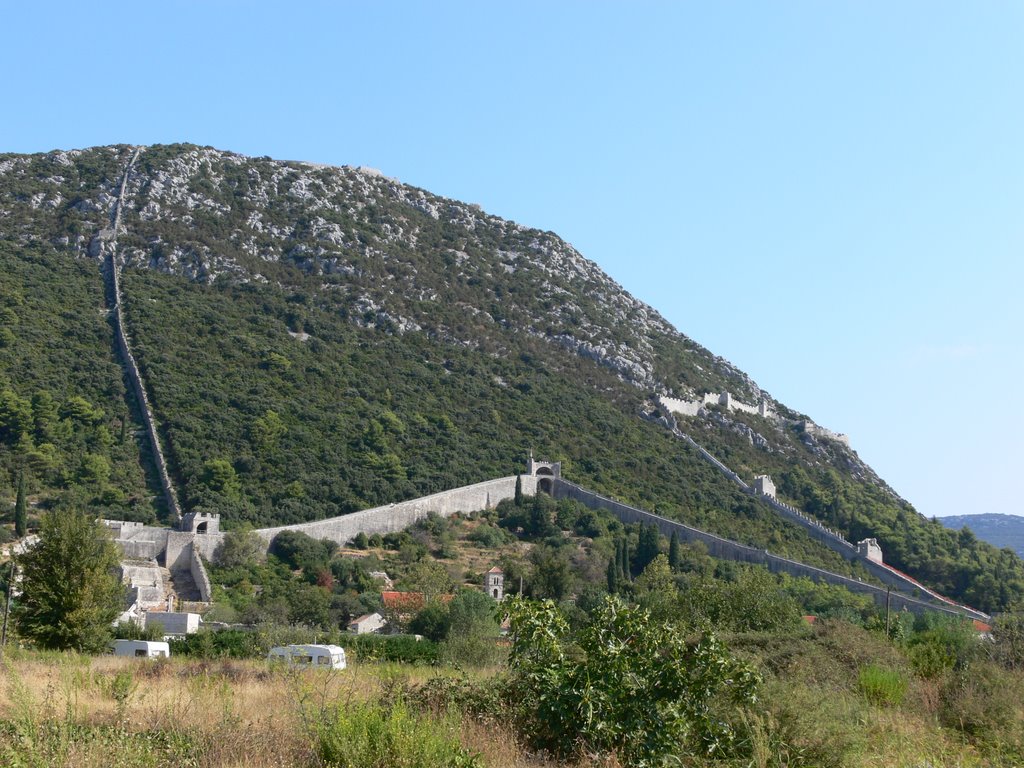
<point>829,195</point>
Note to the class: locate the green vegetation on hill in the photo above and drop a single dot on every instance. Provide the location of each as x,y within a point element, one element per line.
<point>65,424</point>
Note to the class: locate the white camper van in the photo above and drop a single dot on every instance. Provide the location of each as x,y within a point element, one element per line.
<point>318,656</point>
<point>143,649</point>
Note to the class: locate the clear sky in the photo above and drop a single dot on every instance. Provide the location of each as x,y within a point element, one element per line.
<point>829,195</point>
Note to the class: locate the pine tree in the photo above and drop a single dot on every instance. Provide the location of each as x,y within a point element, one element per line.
<point>21,509</point>
<point>674,556</point>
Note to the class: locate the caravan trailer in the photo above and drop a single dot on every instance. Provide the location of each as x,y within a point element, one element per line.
<point>318,656</point>
<point>142,649</point>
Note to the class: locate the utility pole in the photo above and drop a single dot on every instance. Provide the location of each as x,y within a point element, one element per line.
<point>888,592</point>
<point>7,609</point>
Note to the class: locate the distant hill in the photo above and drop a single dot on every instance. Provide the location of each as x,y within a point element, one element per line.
<point>998,530</point>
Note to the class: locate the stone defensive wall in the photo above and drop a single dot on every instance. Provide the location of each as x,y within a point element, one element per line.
<point>108,245</point>
<point>725,399</point>
<point>178,550</point>
<point>817,530</point>
<point>730,550</point>
<point>181,548</point>
<point>398,516</point>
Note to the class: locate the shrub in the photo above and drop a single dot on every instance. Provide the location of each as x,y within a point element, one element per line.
<point>881,686</point>
<point>623,685</point>
<point>370,736</point>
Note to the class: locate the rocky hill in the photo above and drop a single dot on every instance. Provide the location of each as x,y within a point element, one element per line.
<point>314,340</point>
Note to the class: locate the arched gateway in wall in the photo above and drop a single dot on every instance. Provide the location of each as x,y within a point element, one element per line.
<point>546,473</point>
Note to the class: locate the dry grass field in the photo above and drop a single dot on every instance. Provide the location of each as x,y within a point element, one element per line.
<point>106,712</point>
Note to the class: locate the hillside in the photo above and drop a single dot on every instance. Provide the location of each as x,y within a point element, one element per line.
<point>1004,531</point>
<point>316,340</point>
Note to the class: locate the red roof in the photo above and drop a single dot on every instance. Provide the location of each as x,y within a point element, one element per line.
<point>981,626</point>
<point>495,569</point>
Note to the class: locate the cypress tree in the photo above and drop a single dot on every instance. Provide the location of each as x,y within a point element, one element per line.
<point>21,508</point>
<point>613,574</point>
<point>673,552</point>
<point>647,547</point>
<point>626,574</point>
<point>519,491</point>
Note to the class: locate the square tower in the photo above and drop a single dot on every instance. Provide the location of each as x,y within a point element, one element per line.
<point>494,583</point>
<point>763,486</point>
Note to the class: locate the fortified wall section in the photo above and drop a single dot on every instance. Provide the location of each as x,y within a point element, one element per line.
<point>111,274</point>
<point>730,550</point>
<point>396,517</point>
<point>178,550</point>
<point>181,549</point>
<point>724,399</point>
<point>199,574</point>
<point>817,530</point>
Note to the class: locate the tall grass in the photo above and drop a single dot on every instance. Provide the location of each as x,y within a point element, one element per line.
<point>363,735</point>
<point>881,686</point>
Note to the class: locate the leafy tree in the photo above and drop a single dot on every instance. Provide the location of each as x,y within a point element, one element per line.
<point>95,471</point>
<point>240,548</point>
<point>267,431</point>
<point>624,684</point>
<point>21,508</point>
<point>432,621</point>
<point>15,416</point>
<point>753,601</point>
<point>429,577</point>
<point>219,476</point>
<point>655,589</point>
<point>472,629</point>
<point>299,550</point>
<point>71,590</point>
<point>309,605</point>
<point>552,572</point>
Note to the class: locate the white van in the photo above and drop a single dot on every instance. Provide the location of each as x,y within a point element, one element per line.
<point>319,656</point>
<point>143,649</point>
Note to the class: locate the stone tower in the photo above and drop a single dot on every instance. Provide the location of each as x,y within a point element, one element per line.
<point>763,486</point>
<point>494,583</point>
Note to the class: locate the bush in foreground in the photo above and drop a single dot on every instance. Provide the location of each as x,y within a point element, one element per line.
<point>624,685</point>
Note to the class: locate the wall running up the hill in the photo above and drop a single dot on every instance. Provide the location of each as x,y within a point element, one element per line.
<point>731,550</point>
